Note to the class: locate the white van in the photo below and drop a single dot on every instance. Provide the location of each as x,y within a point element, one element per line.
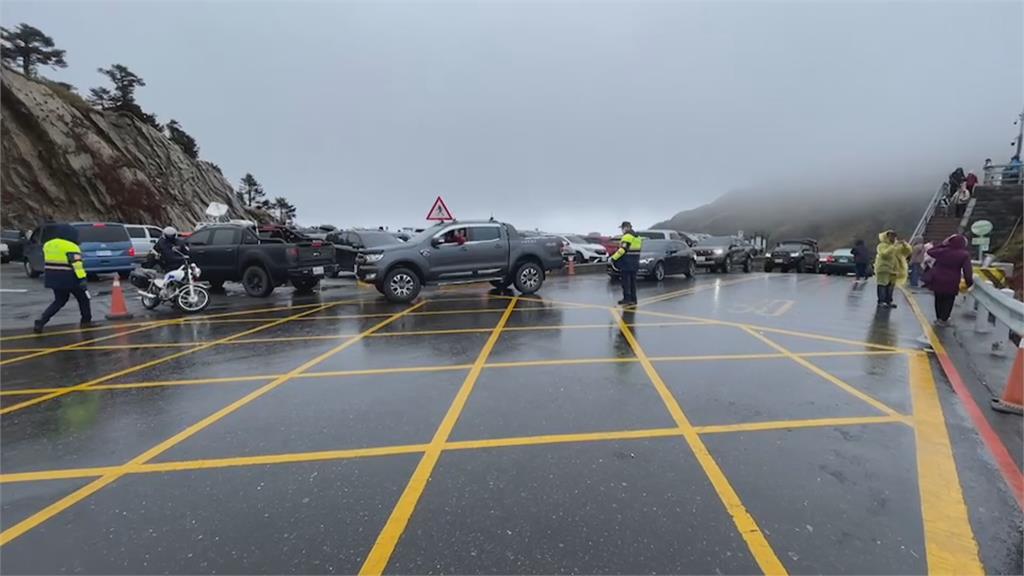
<point>143,238</point>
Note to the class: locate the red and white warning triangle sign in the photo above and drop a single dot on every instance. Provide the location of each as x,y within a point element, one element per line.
<point>439,211</point>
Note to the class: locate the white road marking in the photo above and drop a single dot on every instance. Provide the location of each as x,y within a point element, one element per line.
<point>18,290</point>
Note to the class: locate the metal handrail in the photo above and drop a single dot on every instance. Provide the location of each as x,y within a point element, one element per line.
<point>993,174</point>
<point>930,210</point>
<point>999,303</point>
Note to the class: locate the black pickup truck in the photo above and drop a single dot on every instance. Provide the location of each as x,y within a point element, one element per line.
<point>233,253</point>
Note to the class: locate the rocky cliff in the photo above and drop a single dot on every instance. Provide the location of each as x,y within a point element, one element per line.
<point>64,160</point>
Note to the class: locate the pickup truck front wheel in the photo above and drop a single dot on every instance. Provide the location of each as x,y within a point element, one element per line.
<point>529,277</point>
<point>257,282</point>
<point>401,285</point>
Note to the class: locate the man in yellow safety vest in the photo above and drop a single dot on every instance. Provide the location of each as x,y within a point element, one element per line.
<point>64,273</point>
<point>627,261</point>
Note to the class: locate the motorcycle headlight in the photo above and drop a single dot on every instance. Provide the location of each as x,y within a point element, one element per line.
<point>372,257</point>
<point>646,260</point>
<point>195,271</point>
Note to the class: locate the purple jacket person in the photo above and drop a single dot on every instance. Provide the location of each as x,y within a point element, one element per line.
<point>952,262</point>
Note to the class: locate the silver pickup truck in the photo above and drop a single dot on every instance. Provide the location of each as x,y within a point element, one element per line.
<point>460,252</point>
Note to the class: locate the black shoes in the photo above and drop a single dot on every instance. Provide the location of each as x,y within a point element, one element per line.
<point>37,327</point>
<point>86,324</point>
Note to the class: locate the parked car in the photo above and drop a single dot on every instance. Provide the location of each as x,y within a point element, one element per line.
<point>609,243</point>
<point>348,243</point>
<point>106,247</point>
<point>143,238</point>
<point>660,258</point>
<point>800,255</point>
<point>15,240</point>
<point>723,253</point>
<point>841,262</point>
<point>233,253</point>
<point>584,251</point>
<point>460,252</point>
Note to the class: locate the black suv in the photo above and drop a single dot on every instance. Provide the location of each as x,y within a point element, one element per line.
<point>800,255</point>
<point>724,253</point>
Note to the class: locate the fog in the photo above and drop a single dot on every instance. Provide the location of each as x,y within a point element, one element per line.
<point>561,116</point>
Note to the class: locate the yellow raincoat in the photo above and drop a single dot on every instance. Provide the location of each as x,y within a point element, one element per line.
<point>891,260</point>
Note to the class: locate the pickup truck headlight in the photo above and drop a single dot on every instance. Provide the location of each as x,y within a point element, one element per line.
<point>646,260</point>
<point>372,257</point>
<point>718,251</point>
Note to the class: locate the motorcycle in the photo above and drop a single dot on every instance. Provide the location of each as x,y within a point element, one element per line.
<point>177,286</point>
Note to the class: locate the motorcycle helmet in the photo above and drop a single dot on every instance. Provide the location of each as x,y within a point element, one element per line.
<point>170,232</point>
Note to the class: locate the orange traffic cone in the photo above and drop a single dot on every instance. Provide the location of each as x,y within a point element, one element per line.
<point>1013,396</point>
<point>118,307</point>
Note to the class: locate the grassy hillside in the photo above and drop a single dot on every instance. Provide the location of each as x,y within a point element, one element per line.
<point>834,218</point>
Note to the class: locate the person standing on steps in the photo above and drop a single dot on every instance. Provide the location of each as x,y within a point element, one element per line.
<point>917,253</point>
<point>952,262</point>
<point>890,266</point>
<point>64,273</point>
<point>627,260</point>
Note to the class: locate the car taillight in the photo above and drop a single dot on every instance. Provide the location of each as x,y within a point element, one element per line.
<point>293,252</point>
<point>98,225</point>
<point>131,252</point>
<point>830,259</point>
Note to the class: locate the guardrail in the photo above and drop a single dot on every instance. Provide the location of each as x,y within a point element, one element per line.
<point>999,174</point>
<point>930,210</point>
<point>999,303</point>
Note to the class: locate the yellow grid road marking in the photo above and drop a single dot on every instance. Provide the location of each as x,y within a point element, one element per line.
<point>292,457</point>
<point>150,323</point>
<point>377,559</point>
<point>151,363</point>
<point>447,367</point>
<point>78,345</point>
<point>759,547</point>
<point>89,489</point>
<point>877,404</point>
<point>948,538</point>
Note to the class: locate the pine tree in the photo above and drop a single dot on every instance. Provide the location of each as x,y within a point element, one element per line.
<point>26,47</point>
<point>184,141</point>
<point>285,210</point>
<point>251,194</point>
<point>122,97</point>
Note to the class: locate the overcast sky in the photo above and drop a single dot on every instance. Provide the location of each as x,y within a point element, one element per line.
<point>563,116</point>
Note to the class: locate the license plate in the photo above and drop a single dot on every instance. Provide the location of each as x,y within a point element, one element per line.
<point>700,258</point>
<point>104,253</point>
<point>318,270</point>
<point>778,260</point>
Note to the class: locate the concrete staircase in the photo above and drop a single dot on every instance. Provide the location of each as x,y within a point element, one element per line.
<point>941,226</point>
<point>1003,206</point>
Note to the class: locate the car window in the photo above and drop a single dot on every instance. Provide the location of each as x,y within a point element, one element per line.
<point>224,237</point>
<point>652,235</point>
<point>374,239</point>
<point>576,240</point>
<point>792,247</point>
<point>101,233</point>
<point>155,232</point>
<point>136,231</point>
<point>200,237</point>
<point>484,233</point>
<point>715,241</point>
<point>249,237</point>
<point>673,236</point>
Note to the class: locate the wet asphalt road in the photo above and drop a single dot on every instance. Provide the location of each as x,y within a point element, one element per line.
<point>735,424</point>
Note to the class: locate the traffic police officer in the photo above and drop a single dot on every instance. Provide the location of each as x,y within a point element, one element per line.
<point>627,260</point>
<point>64,273</point>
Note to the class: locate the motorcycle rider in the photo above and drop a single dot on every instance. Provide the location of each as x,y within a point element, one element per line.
<point>169,249</point>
